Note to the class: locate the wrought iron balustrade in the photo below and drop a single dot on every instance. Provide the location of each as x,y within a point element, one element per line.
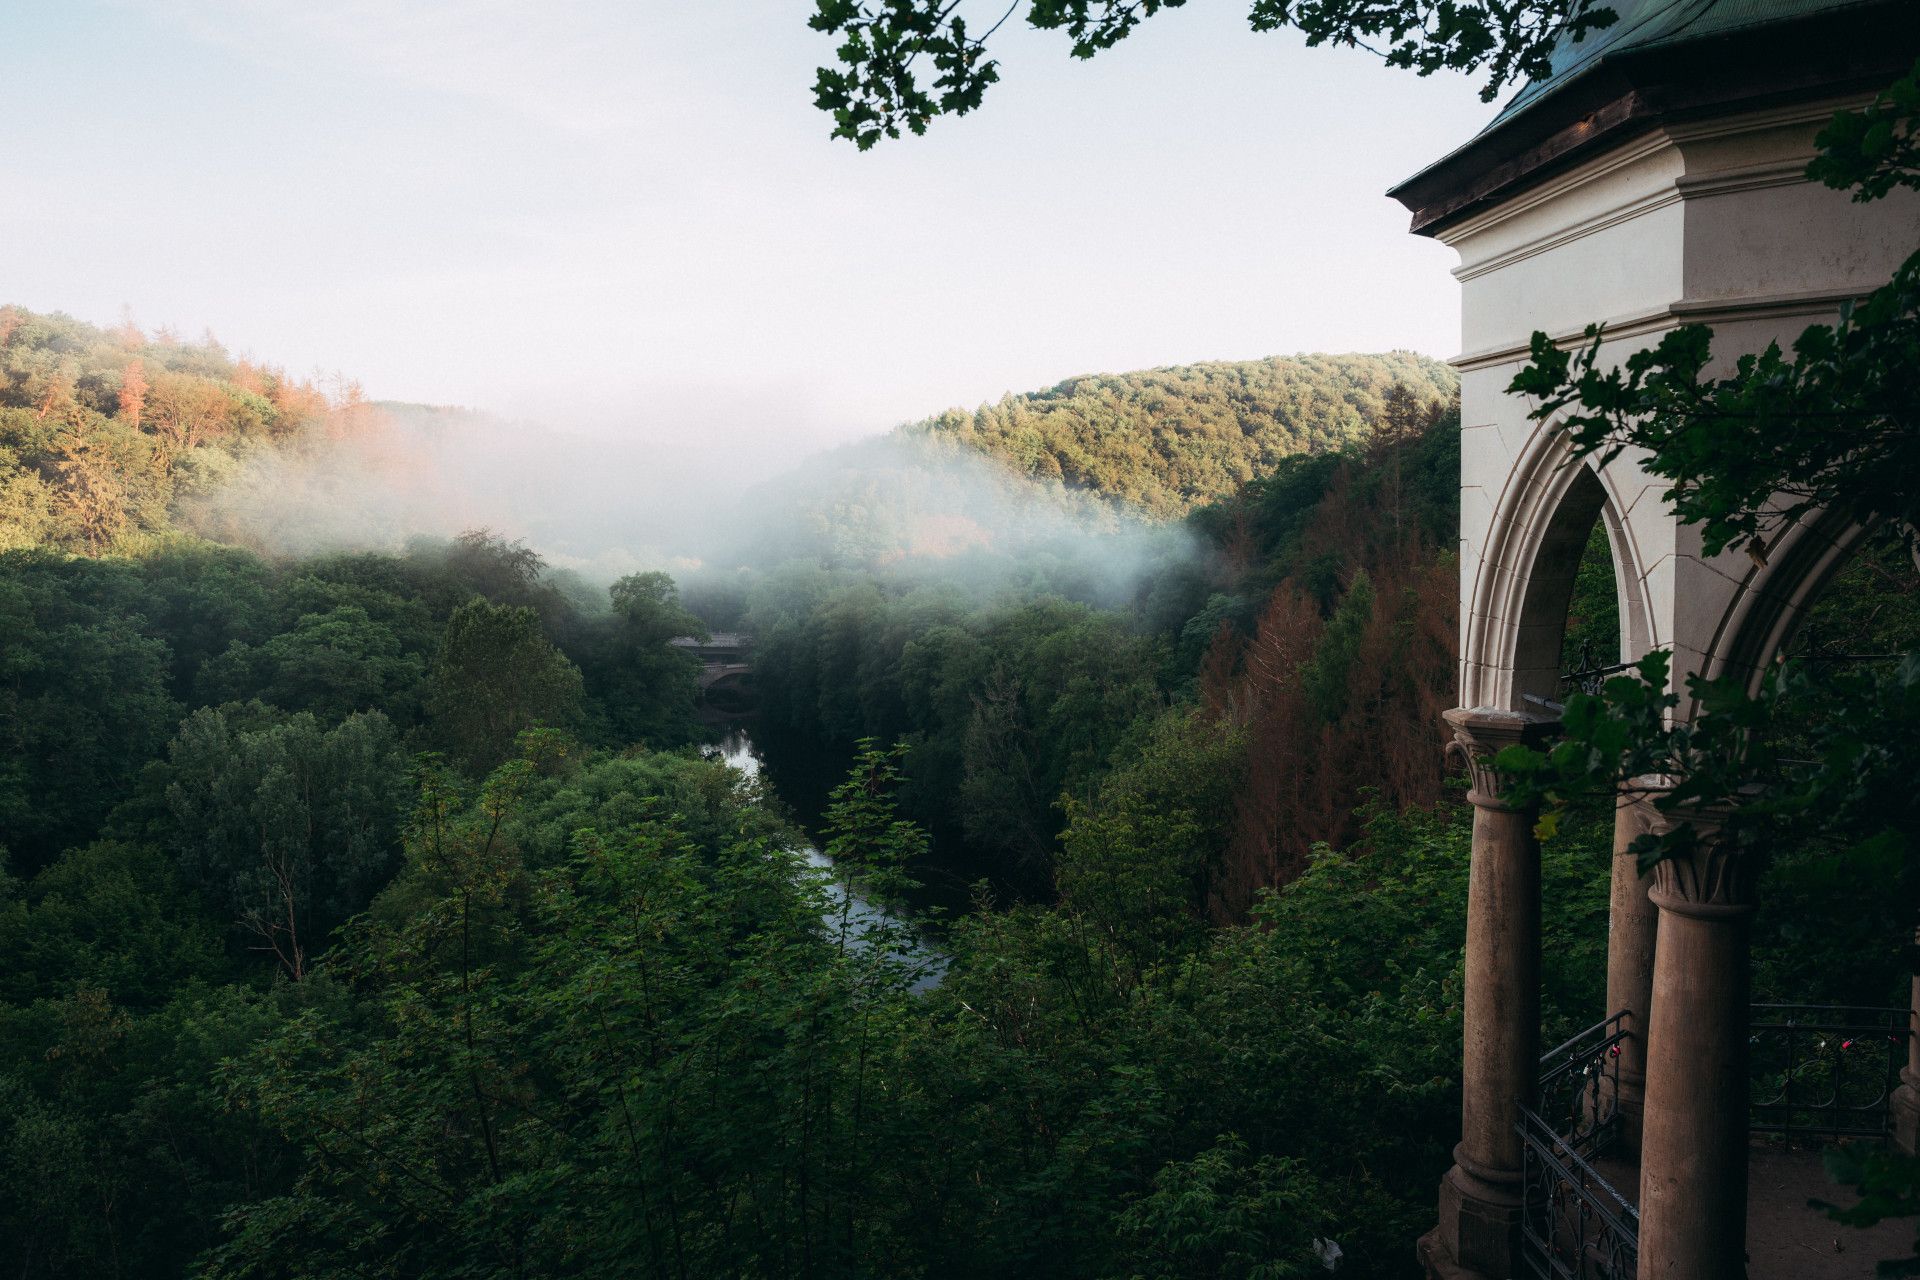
<point>1825,1071</point>
<point>1574,1224</point>
<point>1589,676</point>
<point>1817,1071</point>
<point>1579,1086</point>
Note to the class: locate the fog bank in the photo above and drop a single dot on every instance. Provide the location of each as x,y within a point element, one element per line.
<point>381,475</point>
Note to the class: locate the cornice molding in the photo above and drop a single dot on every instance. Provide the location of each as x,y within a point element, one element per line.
<point>1681,142</point>
<point>1812,304</point>
<point>1773,72</point>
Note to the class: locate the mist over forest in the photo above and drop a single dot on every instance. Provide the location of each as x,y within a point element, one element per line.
<point>521,806</point>
<point>1067,472</point>
<point>1092,850</point>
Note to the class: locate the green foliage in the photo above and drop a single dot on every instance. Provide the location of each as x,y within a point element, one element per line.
<point>1593,613</point>
<point>1317,518</point>
<point>645,688</point>
<point>495,675</point>
<point>103,432</point>
<point>1222,1214</point>
<point>595,1011</point>
<point>102,656</point>
<point>1003,707</point>
<point>1872,152</point>
<point>84,699</point>
<point>575,789</point>
<point>1326,676</point>
<point>1169,440</point>
<point>647,1055</point>
<point>575,1039</point>
<point>876,89</point>
<point>111,917</point>
<point>118,1154</point>
<point>1081,1089</point>
<point>1138,859</point>
<point>288,827</point>
<point>868,839</point>
<point>201,599</point>
<point>603,1016</point>
<point>1816,756</point>
<point>331,664</point>
<point>1888,1184</point>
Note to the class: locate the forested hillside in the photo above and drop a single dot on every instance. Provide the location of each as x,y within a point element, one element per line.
<point>1169,440</point>
<point>1306,622</point>
<point>104,433</point>
<point>451,647</point>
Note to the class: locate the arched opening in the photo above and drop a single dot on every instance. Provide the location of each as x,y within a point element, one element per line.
<point>1580,612</point>
<point>1592,640</point>
<point>1833,912</point>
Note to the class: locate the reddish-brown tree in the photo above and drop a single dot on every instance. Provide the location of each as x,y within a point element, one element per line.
<point>133,393</point>
<point>1335,715</point>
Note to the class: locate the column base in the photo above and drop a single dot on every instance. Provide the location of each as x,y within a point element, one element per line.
<point>1479,1233</point>
<point>1904,1108</point>
<point>1436,1265</point>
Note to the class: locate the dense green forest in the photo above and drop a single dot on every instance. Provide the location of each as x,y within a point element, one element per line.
<point>379,914</point>
<point>1309,614</point>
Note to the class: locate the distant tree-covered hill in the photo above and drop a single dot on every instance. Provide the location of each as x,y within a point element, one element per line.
<point>1170,440</point>
<point>105,433</point>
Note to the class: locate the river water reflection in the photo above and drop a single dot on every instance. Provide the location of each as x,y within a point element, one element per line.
<point>736,750</point>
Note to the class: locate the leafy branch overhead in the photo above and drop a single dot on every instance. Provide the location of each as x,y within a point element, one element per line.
<point>901,63</point>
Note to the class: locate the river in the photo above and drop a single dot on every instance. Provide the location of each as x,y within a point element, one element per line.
<point>736,750</point>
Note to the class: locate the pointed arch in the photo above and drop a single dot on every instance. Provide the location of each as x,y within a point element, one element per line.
<point>1774,598</point>
<point>1517,606</point>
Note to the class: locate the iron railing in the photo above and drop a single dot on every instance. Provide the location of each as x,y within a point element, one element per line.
<point>1825,1071</point>
<point>1589,676</point>
<point>1817,1071</point>
<point>1579,1086</point>
<point>1573,1224</point>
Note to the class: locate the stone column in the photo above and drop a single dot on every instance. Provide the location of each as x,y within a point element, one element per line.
<point>1630,934</point>
<point>1906,1099</point>
<point>1693,1152</point>
<point>1479,1231</point>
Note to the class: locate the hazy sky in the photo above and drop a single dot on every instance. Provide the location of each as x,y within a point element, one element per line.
<point>626,215</point>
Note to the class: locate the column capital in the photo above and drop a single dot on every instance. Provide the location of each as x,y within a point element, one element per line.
<point>1716,879</point>
<point>1480,734</point>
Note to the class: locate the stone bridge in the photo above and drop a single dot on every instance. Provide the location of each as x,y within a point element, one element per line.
<point>726,657</point>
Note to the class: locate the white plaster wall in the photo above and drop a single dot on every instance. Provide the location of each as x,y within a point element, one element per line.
<point>1603,242</point>
<point>1709,223</point>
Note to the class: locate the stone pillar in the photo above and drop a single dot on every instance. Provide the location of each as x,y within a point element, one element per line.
<point>1906,1099</point>
<point>1630,934</point>
<point>1693,1152</point>
<point>1479,1231</point>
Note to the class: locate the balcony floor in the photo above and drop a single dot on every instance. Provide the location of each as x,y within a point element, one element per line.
<point>1787,1240</point>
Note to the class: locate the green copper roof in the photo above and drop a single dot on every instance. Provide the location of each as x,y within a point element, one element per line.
<point>1649,24</point>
